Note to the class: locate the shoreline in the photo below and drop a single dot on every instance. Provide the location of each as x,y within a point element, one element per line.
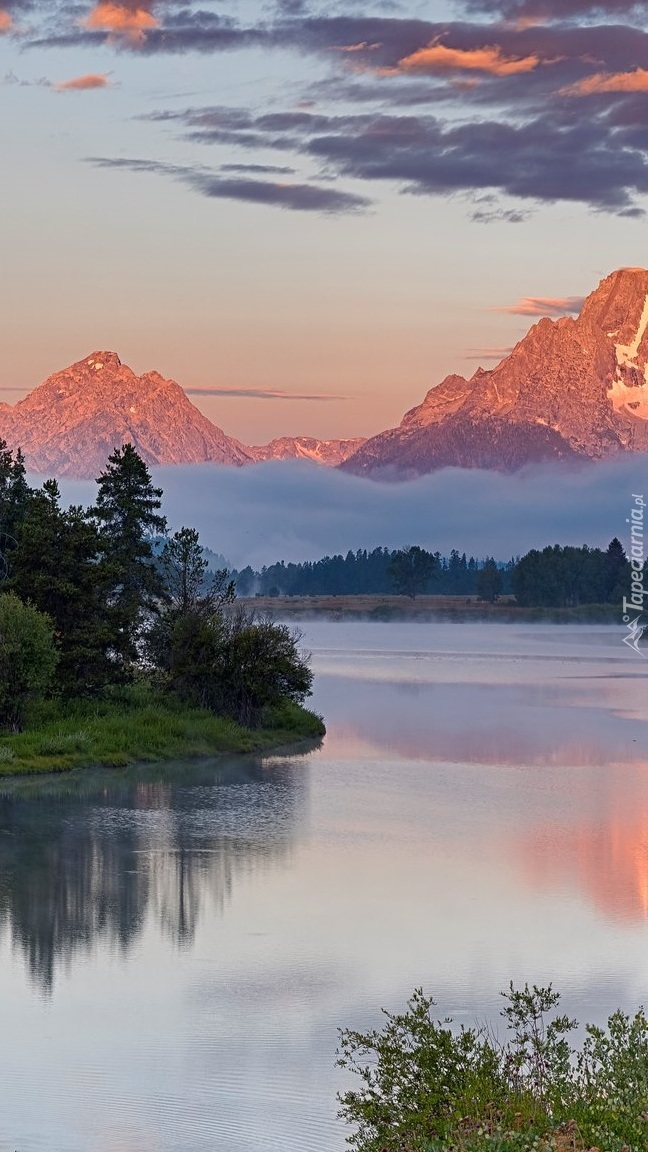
<point>142,727</point>
<point>424,609</point>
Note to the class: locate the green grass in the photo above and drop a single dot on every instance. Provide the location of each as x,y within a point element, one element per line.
<point>139,725</point>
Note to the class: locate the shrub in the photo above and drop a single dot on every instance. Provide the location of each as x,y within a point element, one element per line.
<point>261,665</point>
<point>425,1086</point>
<point>27,658</point>
<point>236,666</point>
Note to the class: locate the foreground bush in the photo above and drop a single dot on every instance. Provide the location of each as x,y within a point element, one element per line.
<point>27,658</point>
<point>234,664</point>
<point>425,1086</point>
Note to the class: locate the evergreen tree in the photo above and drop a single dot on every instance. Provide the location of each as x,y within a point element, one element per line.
<point>617,571</point>
<point>127,510</point>
<point>183,635</point>
<point>56,567</point>
<point>489,581</point>
<point>14,493</point>
<point>566,577</point>
<point>185,573</point>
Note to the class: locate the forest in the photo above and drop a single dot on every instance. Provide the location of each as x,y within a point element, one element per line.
<point>103,613</point>
<point>554,577</point>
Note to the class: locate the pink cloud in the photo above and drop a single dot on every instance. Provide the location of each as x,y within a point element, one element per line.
<point>5,20</point>
<point>363,46</point>
<point>490,59</point>
<point>545,306</point>
<point>636,81</point>
<point>130,21</point>
<point>487,353</point>
<point>83,83</point>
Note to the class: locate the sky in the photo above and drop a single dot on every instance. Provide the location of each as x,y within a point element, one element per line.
<point>309,213</point>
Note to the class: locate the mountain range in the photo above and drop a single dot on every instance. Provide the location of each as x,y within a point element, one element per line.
<point>70,424</point>
<point>571,389</point>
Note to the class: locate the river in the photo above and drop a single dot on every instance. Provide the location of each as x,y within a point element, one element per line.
<point>179,945</point>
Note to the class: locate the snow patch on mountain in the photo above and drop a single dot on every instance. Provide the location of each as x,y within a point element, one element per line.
<point>627,353</point>
<point>631,398</point>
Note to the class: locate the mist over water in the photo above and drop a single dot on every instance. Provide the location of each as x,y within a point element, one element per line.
<point>295,510</point>
<point>179,944</point>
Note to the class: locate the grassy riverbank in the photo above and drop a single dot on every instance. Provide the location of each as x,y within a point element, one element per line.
<point>140,725</point>
<point>459,609</point>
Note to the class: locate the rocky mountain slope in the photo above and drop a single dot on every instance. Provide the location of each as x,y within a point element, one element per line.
<point>329,452</point>
<point>572,388</point>
<point>71,423</point>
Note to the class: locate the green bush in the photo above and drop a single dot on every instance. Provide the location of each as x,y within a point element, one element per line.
<point>260,666</point>
<point>27,658</point>
<point>234,665</point>
<point>426,1087</point>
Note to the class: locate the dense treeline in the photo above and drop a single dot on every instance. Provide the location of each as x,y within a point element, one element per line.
<point>364,573</point>
<point>567,577</point>
<point>88,605</point>
<point>556,577</point>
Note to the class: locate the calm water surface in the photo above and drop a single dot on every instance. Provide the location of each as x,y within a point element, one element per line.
<point>178,947</point>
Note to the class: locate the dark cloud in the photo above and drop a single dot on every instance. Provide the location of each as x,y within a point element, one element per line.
<point>351,41</point>
<point>499,216</point>
<point>521,87</point>
<point>173,32</point>
<point>563,10</point>
<point>557,155</point>
<point>543,159</point>
<point>259,169</point>
<point>284,194</point>
<point>564,54</point>
<point>17,6</point>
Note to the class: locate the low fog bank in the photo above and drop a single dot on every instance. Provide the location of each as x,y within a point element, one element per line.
<point>295,510</point>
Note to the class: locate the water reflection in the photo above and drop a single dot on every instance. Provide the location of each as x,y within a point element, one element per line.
<point>93,858</point>
<point>478,813</point>
<point>540,696</point>
<point>607,862</point>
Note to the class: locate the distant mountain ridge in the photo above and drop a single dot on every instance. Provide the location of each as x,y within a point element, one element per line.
<point>70,424</point>
<point>329,452</point>
<point>571,388</point>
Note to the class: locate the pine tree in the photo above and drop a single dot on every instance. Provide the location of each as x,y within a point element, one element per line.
<point>127,510</point>
<point>186,579</point>
<point>617,571</point>
<point>56,567</point>
<point>14,493</point>
<point>489,581</point>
